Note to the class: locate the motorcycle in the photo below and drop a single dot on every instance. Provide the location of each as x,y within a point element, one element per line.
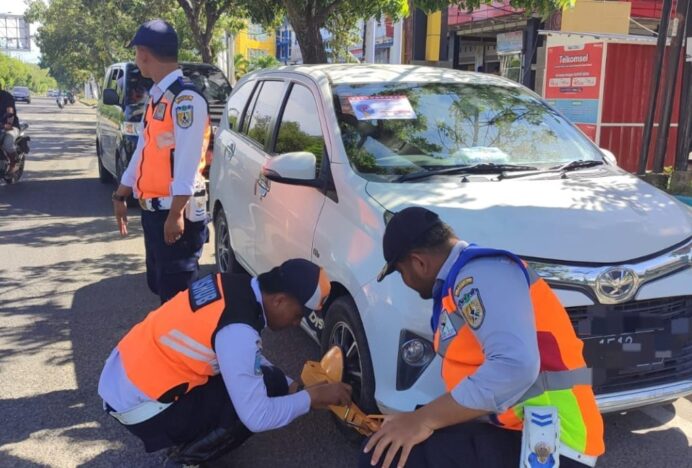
<point>70,97</point>
<point>22,145</point>
<point>58,100</point>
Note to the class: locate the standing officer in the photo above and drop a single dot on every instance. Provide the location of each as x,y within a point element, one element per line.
<point>164,171</point>
<point>506,344</point>
<point>192,373</point>
<point>9,128</point>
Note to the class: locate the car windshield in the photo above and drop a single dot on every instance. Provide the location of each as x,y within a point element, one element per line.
<point>21,89</point>
<point>390,129</point>
<point>209,81</point>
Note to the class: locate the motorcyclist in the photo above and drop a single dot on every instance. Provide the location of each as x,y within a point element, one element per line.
<point>9,129</point>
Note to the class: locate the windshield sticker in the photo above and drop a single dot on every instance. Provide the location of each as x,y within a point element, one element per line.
<point>382,107</point>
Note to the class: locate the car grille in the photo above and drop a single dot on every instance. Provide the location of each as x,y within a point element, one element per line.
<point>665,324</point>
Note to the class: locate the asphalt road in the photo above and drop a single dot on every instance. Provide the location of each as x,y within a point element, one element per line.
<point>70,287</point>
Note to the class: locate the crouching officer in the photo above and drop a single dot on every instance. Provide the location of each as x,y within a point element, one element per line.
<point>507,348</point>
<point>165,169</point>
<point>191,375</point>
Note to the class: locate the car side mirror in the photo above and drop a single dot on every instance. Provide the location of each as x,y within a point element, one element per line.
<point>296,168</point>
<point>609,157</point>
<point>110,97</point>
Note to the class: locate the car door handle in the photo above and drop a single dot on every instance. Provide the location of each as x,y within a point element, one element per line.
<point>229,151</point>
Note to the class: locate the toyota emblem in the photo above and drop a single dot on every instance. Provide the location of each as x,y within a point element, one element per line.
<point>616,284</point>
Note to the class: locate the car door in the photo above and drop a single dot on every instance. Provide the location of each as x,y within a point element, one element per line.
<point>243,150</point>
<point>287,214</point>
<point>110,118</point>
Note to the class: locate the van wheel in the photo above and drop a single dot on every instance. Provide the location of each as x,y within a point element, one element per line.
<point>104,175</point>
<point>344,329</point>
<point>225,258</point>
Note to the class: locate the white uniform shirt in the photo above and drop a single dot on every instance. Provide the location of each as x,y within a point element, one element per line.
<point>506,332</point>
<point>188,141</point>
<point>238,351</point>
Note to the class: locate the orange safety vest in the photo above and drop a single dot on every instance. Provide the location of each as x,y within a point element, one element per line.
<point>156,166</point>
<point>564,380</point>
<point>171,351</point>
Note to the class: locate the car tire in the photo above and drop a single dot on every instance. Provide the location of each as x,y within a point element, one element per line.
<point>104,175</point>
<point>223,252</point>
<point>344,328</point>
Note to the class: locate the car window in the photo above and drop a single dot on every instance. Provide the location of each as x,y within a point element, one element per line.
<point>390,129</point>
<point>236,104</point>
<point>137,93</point>
<point>265,109</point>
<point>300,128</point>
<point>115,82</point>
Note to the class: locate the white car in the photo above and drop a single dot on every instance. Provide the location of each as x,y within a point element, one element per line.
<point>311,161</point>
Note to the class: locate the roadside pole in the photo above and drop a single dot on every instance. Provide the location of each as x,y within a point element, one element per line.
<point>653,90</point>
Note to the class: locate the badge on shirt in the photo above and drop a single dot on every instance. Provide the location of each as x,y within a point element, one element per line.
<point>258,358</point>
<point>462,284</point>
<point>184,116</point>
<point>203,292</point>
<point>160,111</point>
<point>447,329</point>
<point>183,98</point>
<point>471,308</point>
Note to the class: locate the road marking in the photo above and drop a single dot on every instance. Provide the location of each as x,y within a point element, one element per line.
<point>668,419</point>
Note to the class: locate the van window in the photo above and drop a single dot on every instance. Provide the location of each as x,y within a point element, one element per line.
<point>300,128</point>
<point>115,82</point>
<point>265,109</point>
<point>236,104</point>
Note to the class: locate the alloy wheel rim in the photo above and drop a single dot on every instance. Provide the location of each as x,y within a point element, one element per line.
<point>342,336</point>
<point>223,249</point>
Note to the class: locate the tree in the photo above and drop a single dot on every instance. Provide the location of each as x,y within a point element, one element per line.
<point>543,7</point>
<point>308,17</point>
<point>202,16</point>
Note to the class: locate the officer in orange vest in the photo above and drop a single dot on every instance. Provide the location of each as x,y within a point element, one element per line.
<point>192,374</point>
<point>165,169</point>
<point>507,347</point>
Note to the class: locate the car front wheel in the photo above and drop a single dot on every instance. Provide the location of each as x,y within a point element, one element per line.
<point>225,258</point>
<point>343,328</point>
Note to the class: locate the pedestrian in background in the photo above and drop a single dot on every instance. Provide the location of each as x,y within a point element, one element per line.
<point>165,170</point>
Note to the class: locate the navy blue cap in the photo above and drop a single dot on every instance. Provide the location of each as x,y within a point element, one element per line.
<point>157,35</point>
<point>402,232</point>
<point>306,281</point>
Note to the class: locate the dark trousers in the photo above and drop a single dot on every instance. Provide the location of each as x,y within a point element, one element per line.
<point>471,445</point>
<point>171,268</point>
<point>201,411</point>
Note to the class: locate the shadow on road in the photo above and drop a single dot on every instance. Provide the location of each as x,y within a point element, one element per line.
<point>100,314</point>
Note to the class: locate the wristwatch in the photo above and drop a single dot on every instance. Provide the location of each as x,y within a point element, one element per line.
<point>116,197</point>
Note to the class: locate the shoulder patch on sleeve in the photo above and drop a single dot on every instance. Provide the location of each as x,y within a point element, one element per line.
<point>203,292</point>
<point>472,309</point>
<point>184,115</point>
<point>258,358</point>
<point>462,284</point>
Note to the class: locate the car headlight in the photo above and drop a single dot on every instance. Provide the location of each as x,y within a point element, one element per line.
<point>415,354</point>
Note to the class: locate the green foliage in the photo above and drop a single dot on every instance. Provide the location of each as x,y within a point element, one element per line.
<point>14,72</point>
<point>263,61</point>
<point>543,7</point>
<point>241,65</point>
<point>307,17</point>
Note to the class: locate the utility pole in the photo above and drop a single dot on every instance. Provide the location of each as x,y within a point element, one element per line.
<point>653,89</point>
<point>671,80</point>
<point>684,146</point>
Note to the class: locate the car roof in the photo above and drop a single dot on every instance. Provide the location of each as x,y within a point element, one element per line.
<point>377,73</point>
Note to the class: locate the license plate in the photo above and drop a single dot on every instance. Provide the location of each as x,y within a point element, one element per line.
<point>621,351</point>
